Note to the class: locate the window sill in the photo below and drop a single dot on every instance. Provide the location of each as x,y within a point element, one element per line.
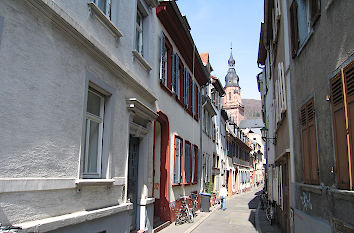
<point>94,182</point>
<point>304,43</point>
<point>142,60</point>
<point>104,20</point>
<point>175,185</point>
<point>166,89</point>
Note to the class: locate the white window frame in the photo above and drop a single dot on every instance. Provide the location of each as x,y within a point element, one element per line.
<point>139,45</point>
<point>178,146</point>
<point>108,11</point>
<point>98,119</point>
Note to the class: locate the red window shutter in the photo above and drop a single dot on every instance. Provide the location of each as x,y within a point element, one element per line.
<point>349,88</point>
<point>294,28</point>
<point>339,128</point>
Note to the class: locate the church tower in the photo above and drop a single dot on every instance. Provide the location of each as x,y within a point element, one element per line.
<point>232,99</point>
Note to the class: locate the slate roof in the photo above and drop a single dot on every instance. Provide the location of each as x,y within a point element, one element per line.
<point>251,124</point>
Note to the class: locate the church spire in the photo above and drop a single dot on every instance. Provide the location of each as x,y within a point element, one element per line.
<point>231,59</point>
<point>231,79</point>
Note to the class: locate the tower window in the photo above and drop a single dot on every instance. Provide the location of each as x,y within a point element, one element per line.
<point>229,95</point>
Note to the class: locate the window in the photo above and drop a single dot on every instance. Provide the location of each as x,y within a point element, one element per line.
<point>93,134</point>
<point>193,98</point>
<point>186,88</point>
<point>188,164</point>
<point>309,143</point>
<point>280,94</point>
<point>195,155</point>
<point>175,74</point>
<point>196,101</point>
<point>178,160</point>
<point>104,6</point>
<point>303,15</point>
<point>181,82</point>
<point>229,95</point>
<point>139,32</point>
<point>163,60</point>
<point>342,100</point>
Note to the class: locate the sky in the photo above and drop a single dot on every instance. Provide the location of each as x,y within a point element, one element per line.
<point>215,24</point>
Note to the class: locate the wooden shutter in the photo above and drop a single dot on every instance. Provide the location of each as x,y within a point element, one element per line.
<point>348,73</point>
<point>192,164</point>
<point>339,128</point>
<point>182,81</point>
<point>309,143</point>
<point>163,64</point>
<point>177,76</point>
<point>294,28</point>
<point>190,100</point>
<point>174,58</point>
<point>186,88</point>
<point>196,151</point>
<point>187,163</point>
<point>312,142</point>
<point>177,165</point>
<point>199,105</point>
<point>315,10</point>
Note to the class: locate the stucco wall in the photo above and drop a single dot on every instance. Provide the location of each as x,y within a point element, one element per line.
<point>42,88</point>
<point>329,45</point>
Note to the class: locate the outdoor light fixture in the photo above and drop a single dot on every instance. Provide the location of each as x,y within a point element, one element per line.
<point>264,132</point>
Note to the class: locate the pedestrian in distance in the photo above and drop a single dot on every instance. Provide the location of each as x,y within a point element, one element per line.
<point>223,195</point>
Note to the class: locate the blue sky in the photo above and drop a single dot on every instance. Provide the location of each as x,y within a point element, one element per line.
<point>217,23</point>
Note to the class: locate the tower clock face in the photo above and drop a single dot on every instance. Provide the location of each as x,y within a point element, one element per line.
<point>235,91</point>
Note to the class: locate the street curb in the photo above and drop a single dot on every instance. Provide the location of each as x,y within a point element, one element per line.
<point>258,227</point>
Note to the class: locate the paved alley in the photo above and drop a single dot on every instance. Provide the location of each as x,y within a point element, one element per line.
<point>238,217</point>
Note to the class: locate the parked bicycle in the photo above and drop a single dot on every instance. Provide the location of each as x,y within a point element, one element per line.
<point>184,214</point>
<point>9,229</point>
<point>270,212</point>
<point>269,205</point>
<point>195,204</point>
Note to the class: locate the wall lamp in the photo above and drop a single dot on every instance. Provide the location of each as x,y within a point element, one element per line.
<point>264,132</point>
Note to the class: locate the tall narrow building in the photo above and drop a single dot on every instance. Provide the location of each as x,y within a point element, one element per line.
<point>232,100</point>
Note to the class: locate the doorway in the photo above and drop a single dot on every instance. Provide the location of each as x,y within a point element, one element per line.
<point>133,163</point>
<point>161,170</point>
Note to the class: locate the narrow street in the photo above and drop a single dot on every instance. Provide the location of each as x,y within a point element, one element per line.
<point>239,215</point>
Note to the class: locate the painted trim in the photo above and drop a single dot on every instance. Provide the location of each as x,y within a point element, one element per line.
<point>35,184</point>
<point>165,166</point>
<point>95,11</point>
<point>8,185</point>
<point>181,162</point>
<point>153,160</point>
<point>109,93</point>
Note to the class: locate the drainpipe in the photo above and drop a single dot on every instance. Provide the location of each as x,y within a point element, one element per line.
<point>201,134</point>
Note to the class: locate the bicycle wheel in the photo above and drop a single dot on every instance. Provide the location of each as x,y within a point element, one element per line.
<point>269,215</point>
<point>190,218</point>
